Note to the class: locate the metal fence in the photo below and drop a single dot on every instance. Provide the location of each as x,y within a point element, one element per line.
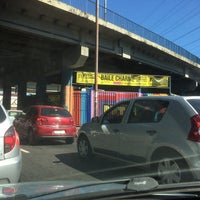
<point>89,6</point>
<point>83,103</point>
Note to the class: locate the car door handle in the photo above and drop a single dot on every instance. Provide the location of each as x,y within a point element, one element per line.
<point>151,132</point>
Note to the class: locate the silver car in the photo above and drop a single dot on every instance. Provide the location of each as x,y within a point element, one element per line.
<point>158,132</point>
<point>10,153</point>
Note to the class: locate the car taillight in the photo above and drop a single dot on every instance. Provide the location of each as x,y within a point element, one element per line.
<point>9,190</point>
<point>41,120</point>
<point>194,134</point>
<point>11,139</point>
<point>72,121</point>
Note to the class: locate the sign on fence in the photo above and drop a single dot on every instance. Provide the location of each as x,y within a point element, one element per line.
<point>155,81</point>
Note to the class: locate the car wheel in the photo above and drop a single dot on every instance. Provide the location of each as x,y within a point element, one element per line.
<point>84,148</point>
<point>171,170</point>
<point>31,137</point>
<point>69,141</point>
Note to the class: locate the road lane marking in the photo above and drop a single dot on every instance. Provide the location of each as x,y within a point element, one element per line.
<point>25,151</point>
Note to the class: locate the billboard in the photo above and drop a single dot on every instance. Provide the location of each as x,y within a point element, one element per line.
<point>156,81</point>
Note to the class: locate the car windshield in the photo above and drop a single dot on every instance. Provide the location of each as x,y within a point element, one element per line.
<point>95,91</point>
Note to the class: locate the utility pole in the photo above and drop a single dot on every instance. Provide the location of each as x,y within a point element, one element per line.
<point>96,60</point>
<point>105,9</point>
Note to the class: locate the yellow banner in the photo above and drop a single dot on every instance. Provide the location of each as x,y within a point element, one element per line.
<point>123,79</point>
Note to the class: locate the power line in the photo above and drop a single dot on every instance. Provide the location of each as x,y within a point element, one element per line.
<point>194,49</point>
<point>161,20</point>
<point>153,11</point>
<point>191,42</point>
<point>187,17</point>
<point>186,33</point>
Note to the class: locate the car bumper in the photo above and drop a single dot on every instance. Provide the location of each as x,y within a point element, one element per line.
<point>56,137</point>
<point>44,132</point>
<point>10,169</point>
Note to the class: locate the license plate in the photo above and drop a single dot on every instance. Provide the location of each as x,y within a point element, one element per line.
<point>59,132</point>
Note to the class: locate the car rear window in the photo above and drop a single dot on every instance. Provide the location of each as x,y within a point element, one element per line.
<point>55,112</point>
<point>2,115</point>
<point>195,104</point>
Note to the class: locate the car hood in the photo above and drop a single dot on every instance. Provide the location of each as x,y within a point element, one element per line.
<point>75,189</point>
<point>138,186</point>
<point>54,189</point>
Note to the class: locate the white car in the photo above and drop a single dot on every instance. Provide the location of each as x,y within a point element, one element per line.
<point>10,153</point>
<point>161,133</point>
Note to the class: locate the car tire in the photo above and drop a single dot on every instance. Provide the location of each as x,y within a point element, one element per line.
<point>169,169</point>
<point>84,148</point>
<point>31,137</point>
<point>69,141</point>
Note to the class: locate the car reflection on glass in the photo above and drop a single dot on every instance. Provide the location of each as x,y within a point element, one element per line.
<point>40,122</point>
<point>161,133</point>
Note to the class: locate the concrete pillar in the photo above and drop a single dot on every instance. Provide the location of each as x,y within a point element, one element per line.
<point>67,89</point>
<point>21,103</point>
<point>73,58</point>
<point>6,94</point>
<point>41,91</point>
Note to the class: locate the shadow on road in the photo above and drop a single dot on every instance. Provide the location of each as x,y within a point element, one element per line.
<point>57,160</point>
<point>100,167</point>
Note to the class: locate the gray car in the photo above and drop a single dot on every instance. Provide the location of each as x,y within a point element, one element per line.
<point>10,153</point>
<point>158,132</point>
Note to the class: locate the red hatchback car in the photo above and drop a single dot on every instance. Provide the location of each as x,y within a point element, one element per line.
<point>45,122</point>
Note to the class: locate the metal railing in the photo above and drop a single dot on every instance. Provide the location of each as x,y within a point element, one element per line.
<point>89,7</point>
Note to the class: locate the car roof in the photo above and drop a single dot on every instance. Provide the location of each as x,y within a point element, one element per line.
<point>192,97</point>
<point>46,106</point>
<point>167,98</point>
<point>170,97</point>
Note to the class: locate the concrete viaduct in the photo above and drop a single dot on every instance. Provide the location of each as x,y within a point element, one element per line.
<point>45,41</point>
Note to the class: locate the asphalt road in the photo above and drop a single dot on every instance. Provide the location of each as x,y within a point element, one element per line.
<point>55,160</point>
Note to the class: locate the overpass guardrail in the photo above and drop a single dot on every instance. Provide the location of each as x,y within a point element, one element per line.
<point>89,7</point>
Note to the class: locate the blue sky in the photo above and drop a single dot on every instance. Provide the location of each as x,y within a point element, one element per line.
<point>176,20</point>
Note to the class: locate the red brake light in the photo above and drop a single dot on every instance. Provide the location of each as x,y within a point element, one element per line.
<point>9,190</point>
<point>11,139</point>
<point>194,134</point>
<point>41,120</point>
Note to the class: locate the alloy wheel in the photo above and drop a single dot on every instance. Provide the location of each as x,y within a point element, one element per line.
<point>84,148</point>
<point>169,171</point>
